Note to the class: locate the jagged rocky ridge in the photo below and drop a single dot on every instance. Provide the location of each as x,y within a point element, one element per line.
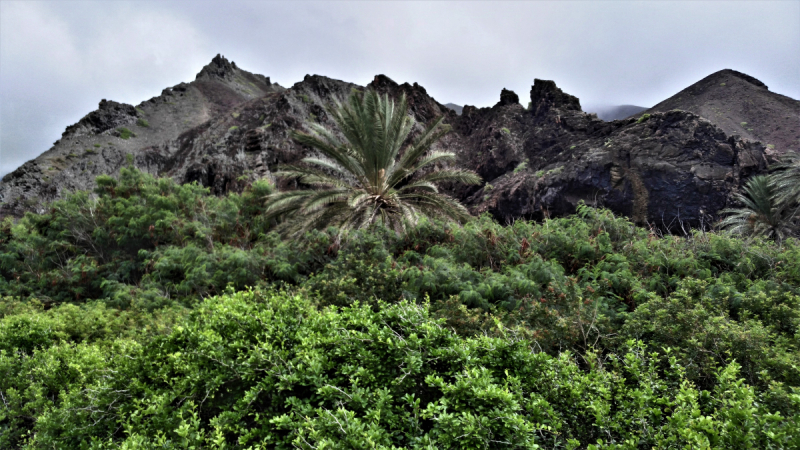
<point>229,127</point>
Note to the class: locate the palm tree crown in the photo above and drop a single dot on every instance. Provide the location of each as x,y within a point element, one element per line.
<point>762,213</point>
<point>369,177</point>
<point>787,182</point>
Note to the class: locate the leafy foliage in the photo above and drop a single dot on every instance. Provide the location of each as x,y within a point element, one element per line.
<point>763,213</point>
<point>126,321</point>
<point>88,248</point>
<point>254,370</point>
<point>369,177</point>
<point>787,182</point>
<point>771,203</point>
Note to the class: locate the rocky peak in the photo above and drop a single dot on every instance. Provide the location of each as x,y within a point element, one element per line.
<point>741,105</point>
<point>110,114</point>
<point>743,76</point>
<point>219,67</point>
<point>423,106</point>
<point>508,97</point>
<point>546,95</point>
<point>383,83</point>
<point>324,87</point>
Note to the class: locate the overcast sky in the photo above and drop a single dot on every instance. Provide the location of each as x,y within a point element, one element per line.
<point>59,58</point>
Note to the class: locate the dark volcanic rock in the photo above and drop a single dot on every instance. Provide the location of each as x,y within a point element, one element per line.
<point>109,115</point>
<point>673,169</point>
<point>422,106</point>
<point>546,95</point>
<point>219,67</point>
<point>94,146</point>
<point>508,97</point>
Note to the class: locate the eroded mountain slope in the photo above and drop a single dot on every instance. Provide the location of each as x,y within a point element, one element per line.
<point>741,105</point>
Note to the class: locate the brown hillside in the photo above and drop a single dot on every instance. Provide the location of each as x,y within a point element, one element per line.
<point>741,105</point>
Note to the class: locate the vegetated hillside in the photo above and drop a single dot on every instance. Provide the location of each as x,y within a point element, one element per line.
<point>741,105</point>
<point>609,113</point>
<point>672,170</point>
<point>127,320</point>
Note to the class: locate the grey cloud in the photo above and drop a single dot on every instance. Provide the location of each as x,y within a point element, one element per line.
<point>58,59</point>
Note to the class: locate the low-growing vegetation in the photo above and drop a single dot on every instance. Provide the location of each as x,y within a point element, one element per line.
<point>154,314</point>
<point>125,133</point>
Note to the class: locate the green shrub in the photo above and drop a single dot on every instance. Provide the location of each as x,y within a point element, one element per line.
<point>253,370</point>
<point>124,266</point>
<point>142,123</point>
<point>125,133</point>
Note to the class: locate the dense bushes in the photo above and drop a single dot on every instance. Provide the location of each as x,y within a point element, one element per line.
<point>98,285</point>
<point>83,248</point>
<point>252,370</point>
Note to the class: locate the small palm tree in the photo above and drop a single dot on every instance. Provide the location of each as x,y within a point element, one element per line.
<point>761,214</point>
<point>787,183</point>
<point>369,177</point>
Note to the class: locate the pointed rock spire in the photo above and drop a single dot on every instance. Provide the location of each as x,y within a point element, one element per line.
<point>219,67</point>
<point>546,95</point>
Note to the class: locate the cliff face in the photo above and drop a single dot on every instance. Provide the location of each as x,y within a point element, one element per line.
<point>671,169</point>
<point>229,127</point>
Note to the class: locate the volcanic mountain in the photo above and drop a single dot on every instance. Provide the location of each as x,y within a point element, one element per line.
<point>741,105</point>
<point>229,127</point>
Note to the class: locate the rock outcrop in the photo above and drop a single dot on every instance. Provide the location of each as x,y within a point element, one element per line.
<point>671,170</point>
<point>109,115</point>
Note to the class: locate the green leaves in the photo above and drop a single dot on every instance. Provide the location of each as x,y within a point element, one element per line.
<point>579,332</point>
<point>369,177</point>
<point>268,370</point>
<point>770,203</point>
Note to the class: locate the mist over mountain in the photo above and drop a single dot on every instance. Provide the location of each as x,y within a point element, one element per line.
<point>229,127</point>
<point>454,107</point>
<point>617,112</point>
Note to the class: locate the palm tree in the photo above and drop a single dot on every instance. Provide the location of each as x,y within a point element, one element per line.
<point>369,177</point>
<point>787,183</point>
<point>761,214</point>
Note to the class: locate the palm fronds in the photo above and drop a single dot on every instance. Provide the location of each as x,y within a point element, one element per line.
<point>369,177</point>
<point>762,213</point>
<point>787,183</point>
